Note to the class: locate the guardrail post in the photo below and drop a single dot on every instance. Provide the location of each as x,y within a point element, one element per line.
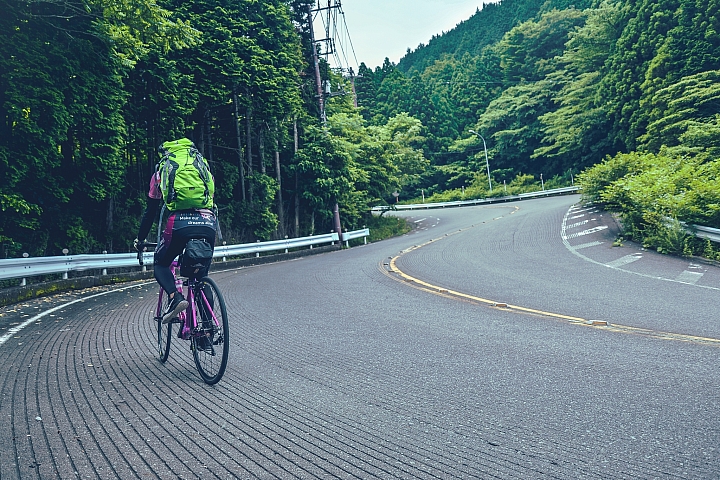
<point>65,251</point>
<point>365,237</point>
<point>257,254</point>
<point>104,270</point>
<point>23,282</point>
<point>286,248</point>
<point>224,257</point>
<point>347,242</point>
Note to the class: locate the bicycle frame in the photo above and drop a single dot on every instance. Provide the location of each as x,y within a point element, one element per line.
<point>188,317</point>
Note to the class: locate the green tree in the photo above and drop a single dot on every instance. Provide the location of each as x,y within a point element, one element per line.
<point>576,131</point>
<point>685,114</point>
<point>326,176</point>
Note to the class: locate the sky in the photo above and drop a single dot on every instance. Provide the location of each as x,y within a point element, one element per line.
<point>387,28</point>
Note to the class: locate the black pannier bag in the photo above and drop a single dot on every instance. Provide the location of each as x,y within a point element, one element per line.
<point>195,261</point>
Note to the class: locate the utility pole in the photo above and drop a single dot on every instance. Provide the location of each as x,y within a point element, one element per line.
<point>321,94</point>
<point>330,48</point>
<point>316,63</point>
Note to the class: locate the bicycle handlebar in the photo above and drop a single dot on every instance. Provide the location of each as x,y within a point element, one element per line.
<point>141,248</point>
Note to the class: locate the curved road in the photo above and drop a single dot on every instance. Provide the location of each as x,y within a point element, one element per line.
<point>506,341</point>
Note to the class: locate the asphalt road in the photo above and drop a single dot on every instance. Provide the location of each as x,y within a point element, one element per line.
<point>392,360</point>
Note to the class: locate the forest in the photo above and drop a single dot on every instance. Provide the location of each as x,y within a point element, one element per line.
<point>620,96</point>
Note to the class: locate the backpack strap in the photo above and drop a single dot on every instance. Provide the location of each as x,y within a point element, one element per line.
<point>201,166</point>
<point>167,177</point>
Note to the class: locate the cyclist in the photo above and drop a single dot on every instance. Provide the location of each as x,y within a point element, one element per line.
<point>181,226</point>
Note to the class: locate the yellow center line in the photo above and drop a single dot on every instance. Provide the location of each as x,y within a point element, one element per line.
<point>428,287</point>
<point>453,293</point>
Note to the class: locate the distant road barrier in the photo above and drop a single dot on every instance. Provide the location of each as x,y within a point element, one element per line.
<point>479,201</point>
<point>30,267</point>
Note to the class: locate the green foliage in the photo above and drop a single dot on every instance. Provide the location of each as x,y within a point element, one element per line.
<point>685,113</point>
<point>385,157</point>
<point>575,131</point>
<point>325,173</point>
<point>382,227</point>
<point>522,183</point>
<point>258,215</point>
<point>596,180</point>
<point>662,42</point>
<point>656,194</point>
<point>135,28</point>
<point>484,28</point>
<point>528,51</point>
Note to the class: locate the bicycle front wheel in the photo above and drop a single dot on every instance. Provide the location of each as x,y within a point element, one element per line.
<point>164,336</point>
<point>164,332</point>
<point>210,345</point>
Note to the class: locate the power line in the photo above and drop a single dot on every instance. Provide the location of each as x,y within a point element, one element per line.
<point>337,35</point>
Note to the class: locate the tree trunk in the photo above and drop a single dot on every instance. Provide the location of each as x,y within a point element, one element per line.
<point>239,145</point>
<point>261,146</point>
<point>297,182</point>
<point>208,136</point>
<point>200,143</point>
<point>109,222</point>
<point>281,213</point>
<point>248,131</point>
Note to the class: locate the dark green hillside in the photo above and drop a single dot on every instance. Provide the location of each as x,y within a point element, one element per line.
<point>484,28</point>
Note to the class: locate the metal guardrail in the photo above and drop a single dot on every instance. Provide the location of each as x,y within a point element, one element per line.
<point>712,234</point>
<point>30,267</point>
<point>479,201</point>
<point>347,236</point>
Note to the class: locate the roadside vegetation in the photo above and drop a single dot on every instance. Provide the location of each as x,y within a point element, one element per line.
<point>624,91</point>
<point>657,197</point>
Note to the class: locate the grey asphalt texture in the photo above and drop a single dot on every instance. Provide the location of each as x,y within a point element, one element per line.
<point>341,369</point>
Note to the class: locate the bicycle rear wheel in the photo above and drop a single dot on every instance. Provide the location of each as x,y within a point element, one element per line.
<point>210,346</point>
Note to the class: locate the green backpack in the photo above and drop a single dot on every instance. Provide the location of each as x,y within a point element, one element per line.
<point>185,179</point>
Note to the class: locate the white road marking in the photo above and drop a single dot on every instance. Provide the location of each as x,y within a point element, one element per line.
<point>578,224</point>
<point>585,232</point>
<point>689,277</point>
<point>418,221</point>
<point>624,260</point>
<point>586,245</point>
<point>574,251</point>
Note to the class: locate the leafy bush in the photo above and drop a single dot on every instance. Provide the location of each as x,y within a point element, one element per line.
<point>382,227</point>
<point>656,195</point>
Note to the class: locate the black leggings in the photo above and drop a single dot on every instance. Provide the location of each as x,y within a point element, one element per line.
<point>171,245</point>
